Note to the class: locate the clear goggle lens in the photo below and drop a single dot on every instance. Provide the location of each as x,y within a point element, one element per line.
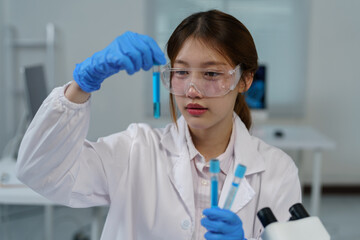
<point>208,82</point>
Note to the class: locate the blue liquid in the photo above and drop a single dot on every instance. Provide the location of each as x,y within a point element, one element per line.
<point>214,192</point>
<point>156,94</point>
<point>156,110</point>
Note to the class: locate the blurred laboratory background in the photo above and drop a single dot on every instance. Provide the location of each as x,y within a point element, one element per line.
<point>309,100</point>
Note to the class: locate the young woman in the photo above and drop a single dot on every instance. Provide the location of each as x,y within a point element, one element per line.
<point>156,181</point>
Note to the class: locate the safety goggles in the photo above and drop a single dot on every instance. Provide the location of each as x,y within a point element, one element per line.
<point>208,82</point>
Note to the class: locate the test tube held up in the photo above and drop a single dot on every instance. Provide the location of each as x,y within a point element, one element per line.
<point>214,178</point>
<point>239,174</point>
<point>156,91</point>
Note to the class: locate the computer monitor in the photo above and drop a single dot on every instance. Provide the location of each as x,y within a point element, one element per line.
<point>35,87</point>
<point>256,97</point>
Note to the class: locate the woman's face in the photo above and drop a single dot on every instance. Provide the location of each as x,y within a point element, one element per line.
<point>200,112</point>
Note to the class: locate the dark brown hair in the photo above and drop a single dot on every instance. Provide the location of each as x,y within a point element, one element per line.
<point>229,37</point>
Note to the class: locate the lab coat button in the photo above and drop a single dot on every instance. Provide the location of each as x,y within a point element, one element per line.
<point>204,182</point>
<point>185,224</point>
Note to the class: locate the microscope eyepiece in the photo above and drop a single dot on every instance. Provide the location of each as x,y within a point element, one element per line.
<point>266,216</point>
<point>298,211</point>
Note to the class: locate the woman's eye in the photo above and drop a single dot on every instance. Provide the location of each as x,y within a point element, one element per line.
<point>181,73</point>
<point>212,74</point>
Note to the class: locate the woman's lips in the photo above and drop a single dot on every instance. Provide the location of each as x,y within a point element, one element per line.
<point>195,109</point>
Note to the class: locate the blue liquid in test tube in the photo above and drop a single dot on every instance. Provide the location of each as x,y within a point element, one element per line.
<point>156,91</point>
<point>239,174</point>
<point>214,179</point>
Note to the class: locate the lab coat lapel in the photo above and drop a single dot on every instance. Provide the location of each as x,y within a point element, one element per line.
<point>244,194</point>
<point>245,153</point>
<point>180,169</point>
<point>181,178</point>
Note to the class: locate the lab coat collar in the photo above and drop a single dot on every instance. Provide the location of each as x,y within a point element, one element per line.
<point>246,149</point>
<point>174,137</point>
<point>245,146</point>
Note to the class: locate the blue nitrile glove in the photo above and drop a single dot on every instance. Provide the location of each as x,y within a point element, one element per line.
<point>222,224</point>
<point>130,51</point>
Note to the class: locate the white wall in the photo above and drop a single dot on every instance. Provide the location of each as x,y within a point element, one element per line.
<point>332,95</point>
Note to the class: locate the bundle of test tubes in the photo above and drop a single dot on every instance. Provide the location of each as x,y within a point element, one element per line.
<point>214,171</point>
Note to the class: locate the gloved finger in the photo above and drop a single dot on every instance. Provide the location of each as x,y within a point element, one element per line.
<point>214,226</point>
<point>116,57</point>
<point>222,215</point>
<point>126,47</point>
<point>144,49</point>
<point>139,51</point>
<point>219,236</point>
<point>126,63</point>
<point>220,226</point>
<point>213,236</point>
<point>136,59</point>
<point>157,54</point>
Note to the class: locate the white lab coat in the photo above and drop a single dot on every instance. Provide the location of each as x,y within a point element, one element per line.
<point>144,174</point>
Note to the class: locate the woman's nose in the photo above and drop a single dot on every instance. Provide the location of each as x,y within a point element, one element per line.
<point>193,92</point>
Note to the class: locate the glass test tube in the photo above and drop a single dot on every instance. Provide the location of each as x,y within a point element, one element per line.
<point>156,91</point>
<point>214,178</point>
<point>239,174</point>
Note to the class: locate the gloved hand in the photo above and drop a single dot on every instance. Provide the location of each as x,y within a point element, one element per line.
<point>222,224</point>
<point>130,51</point>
